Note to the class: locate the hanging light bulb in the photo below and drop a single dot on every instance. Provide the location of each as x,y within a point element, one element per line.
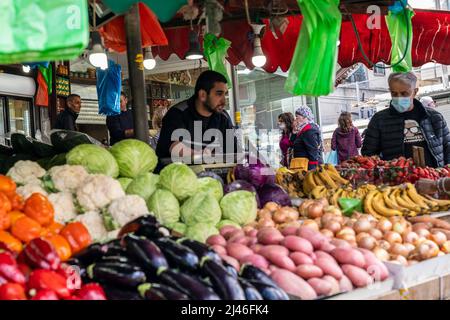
<point>258,59</point>
<point>26,68</point>
<point>149,61</point>
<point>97,56</point>
<point>194,52</point>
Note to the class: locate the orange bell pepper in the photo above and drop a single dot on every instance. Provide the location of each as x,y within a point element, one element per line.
<point>55,228</point>
<point>7,185</point>
<point>26,229</point>
<point>11,242</point>
<point>39,208</point>
<point>77,235</point>
<point>5,220</point>
<point>5,204</point>
<point>17,202</point>
<point>61,246</point>
<point>15,215</point>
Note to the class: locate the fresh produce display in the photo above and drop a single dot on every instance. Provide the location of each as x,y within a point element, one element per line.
<point>145,265</point>
<point>291,181</point>
<point>37,273</point>
<point>325,176</point>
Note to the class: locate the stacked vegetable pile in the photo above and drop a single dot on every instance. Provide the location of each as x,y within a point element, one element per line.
<point>301,260</point>
<point>22,221</point>
<point>38,274</point>
<point>144,264</point>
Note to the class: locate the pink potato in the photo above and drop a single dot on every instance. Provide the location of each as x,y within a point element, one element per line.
<point>267,250</point>
<point>345,284</point>
<point>251,241</point>
<point>238,239</point>
<point>216,239</point>
<point>281,261</point>
<point>301,258</point>
<point>252,233</point>
<point>255,260</point>
<point>358,276</point>
<point>374,267</point>
<point>308,271</point>
<point>295,243</point>
<point>329,267</point>
<point>226,231</point>
<point>234,234</point>
<point>293,284</point>
<point>238,251</point>
<point>327,247</point>
<point>322,287</point>
<point>349,256</point>
<point>315,237</point>
<point>335,288</point>
<point>256,247</point>
<point>339,243</point>
<point>231,261</point>
<point>289,231</point>
<point>219,249</point>
<point>269,236</point>
<point>325,255</point>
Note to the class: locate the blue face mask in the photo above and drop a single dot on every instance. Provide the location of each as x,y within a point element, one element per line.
<point>401,104</point>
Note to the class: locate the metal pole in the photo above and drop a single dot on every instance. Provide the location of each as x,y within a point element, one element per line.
<point>136,73</point>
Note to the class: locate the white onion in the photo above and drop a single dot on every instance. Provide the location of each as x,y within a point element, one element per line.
<point>428,249</point>
<point>381,254</point>
<point>393,237</point>
<point>384,244</point>
<point>368,243</point>
<point>398,227</point>
<point>438,237</point>
<point>333,226</point>
<point>327,233</point>
<point>423,233</point>
<point>362,225</point>
<point>376,233</point>
<point>384,225</point>
<point>411,237</point>
<point>399,249</point>
<point>311,224</point>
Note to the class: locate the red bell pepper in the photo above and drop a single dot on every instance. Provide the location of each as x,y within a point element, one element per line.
<point>39,253</point>
<point>72,275</point>
<point>91,291</point>
<point>45,294</point>
<point>51,280</point>
<point>9,269</point>
<point>12,291</point>
<point>4,247</point>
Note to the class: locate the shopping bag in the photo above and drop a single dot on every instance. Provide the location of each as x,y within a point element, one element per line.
<point>299,164</point>
<point>109,84</point>
<point>42,30</point>
<point>215,50</point>
<point>332,158</point>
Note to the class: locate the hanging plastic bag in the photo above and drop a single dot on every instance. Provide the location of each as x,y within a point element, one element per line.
<point>42,91</point>
<point>47,74</point>
<point>350,205</point>
<point>165,10</point>
<point>109,84</point>
<point>313,67</point>
<point>215,50</point>
<point>42,30</point>
<point>332,158</point>
<point>399,23</point>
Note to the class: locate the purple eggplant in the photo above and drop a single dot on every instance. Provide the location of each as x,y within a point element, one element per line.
<point>134,225</point>
<point>190,286</point>
<point>231,270</point>
<point>118,274</point>
<point>145,252</point>
<point>200,249</point>
<point>224,284</point>
<point>250,291</point>
<point>91,254</point>
<point>157,291</point>
<point>115,293</point>
<point>178,256</point>
<point>269,292</point>
<point>249,272</point>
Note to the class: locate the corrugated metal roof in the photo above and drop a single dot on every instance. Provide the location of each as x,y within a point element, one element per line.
<point>89,113</point>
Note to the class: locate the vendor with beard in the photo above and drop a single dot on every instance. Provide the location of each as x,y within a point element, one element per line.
<point>184,126</point>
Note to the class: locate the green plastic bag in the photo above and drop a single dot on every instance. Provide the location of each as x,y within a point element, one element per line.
<point>313,67</point>
<point>401,39</point>
<point>42,30</point>
<point>164,10</point>
<point>47,74</point>
<point>350,205</point>
<point>215,51</point>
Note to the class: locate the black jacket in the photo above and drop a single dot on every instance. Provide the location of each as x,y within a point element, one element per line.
<point>118,124</point>
<point>307,144</point>
<point>66,120</point>
<point>385,137</point>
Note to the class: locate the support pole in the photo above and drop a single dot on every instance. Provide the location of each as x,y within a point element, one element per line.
<point>136,73</point>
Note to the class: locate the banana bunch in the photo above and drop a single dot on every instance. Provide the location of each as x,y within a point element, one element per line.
<point>324,176</point>
<point>291,181</point>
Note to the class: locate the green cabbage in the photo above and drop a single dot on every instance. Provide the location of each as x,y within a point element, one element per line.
<point>178,227</point>
<point>239,206</point>
<point>202,207</point>
<point>164,206</point>
<point>179,179</point>
<point>144,185</point>
<point>134,157</point>
<point>211,185</point>
<point>124,182</point>
<point>201,231</point>
<point>224,223</point>
<point>94,158</point>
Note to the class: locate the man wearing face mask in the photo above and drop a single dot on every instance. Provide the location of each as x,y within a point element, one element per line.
<point>67,118</point>
<point>407,123</point>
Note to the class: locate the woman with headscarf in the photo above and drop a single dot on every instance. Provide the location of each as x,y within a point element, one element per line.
<point>285,123</point>
<point>306,138</point>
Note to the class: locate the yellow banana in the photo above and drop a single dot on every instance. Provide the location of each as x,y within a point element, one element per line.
<point>417,198</point>
<point>317,180</point>
<point>443,204</point>
<point>335,197</point>
<point>334,174</point>
<point>402,202</point>
<point>309,183</point>
<point>318,192</point>
<point>379,206</point>
<point>329,183</point>
<point>389,203</point>
<point>368,201</point>
<point>424,208</point>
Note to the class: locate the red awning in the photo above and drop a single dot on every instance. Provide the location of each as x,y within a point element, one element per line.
<point>430,41</point>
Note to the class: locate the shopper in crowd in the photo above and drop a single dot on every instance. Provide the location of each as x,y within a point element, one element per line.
<point>121,126</point>
<point>346,139</point>
<point>67,118</point>
<point>200,113</point>
<point>428,102</point>
<point>285,124</point>
<point>158,115</point>
<point>407,123</point>
<point>306,138</point>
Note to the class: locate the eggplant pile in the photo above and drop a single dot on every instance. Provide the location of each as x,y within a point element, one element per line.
<point>146,264</point>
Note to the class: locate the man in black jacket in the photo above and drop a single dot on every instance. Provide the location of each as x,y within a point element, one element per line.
<point>121,126</point>
<point>407,123</point>
<point>66,119</point>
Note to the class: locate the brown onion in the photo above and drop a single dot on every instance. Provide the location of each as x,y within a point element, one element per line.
<point>399,249</point>
<point>427,249</point>
<point>280,216</point>
<point>310,224</point>
<point>327,217</point>
<point>324,202</point>
<point>271,206</point>
<point>423,233</point>
<point>347,237</point>
<point>332,209</point>
<point>410,247</point>
<point>446,247</point>
<point>438,237</point>
<point>393,237</point>
<point>291,213</point>
<point>303,208</point>
<point>362,225</point>
<point>384,244</point>
<point>367,242</point>
<point>377,234</point>
<point>265,223</point>
<point>361,235</point>
<point>384,225</point>
<point>381,253</point>
<point>327,233</point>
<point>410,237</point>
<point>264,214</point>
<point>348,230</point>
<point>333,226</point>
<point>315,210</point>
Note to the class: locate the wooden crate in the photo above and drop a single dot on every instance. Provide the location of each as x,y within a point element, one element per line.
<point>445,283</point>
<point>429,290</point>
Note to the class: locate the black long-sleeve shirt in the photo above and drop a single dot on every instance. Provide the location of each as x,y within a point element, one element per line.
<point>117,125</point>
<point>66,120</point>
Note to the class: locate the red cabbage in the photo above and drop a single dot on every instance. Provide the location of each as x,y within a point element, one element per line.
<point>273,192</point>
<point>257,174</point>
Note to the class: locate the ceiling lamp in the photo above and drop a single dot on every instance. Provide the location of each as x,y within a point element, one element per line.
<point>258,59</point>
<point>194,52</point>
<point>97,56</point>
<point>26,68</point>
<point>149,61</point>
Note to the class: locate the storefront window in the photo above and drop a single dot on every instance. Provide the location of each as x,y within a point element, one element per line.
<point>19,116</point>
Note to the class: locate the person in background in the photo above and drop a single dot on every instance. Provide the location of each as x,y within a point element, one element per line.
<point>121,126</point>
<point>431,187</point>
<point>67,118</point>
<point>158,115</point>
<point>394,132</point>
<point>285,124</point>
<point>428,102</point>
<point>346,139</point>
<point>306,138</point>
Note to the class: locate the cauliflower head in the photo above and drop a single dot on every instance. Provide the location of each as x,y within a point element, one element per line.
<point>65,210</point>
<point>127,208</point>
<point>34,187</point>
<point>93,221</point>
<point>24,172</point>
<point>68,178</point>
<point>98,191</point>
